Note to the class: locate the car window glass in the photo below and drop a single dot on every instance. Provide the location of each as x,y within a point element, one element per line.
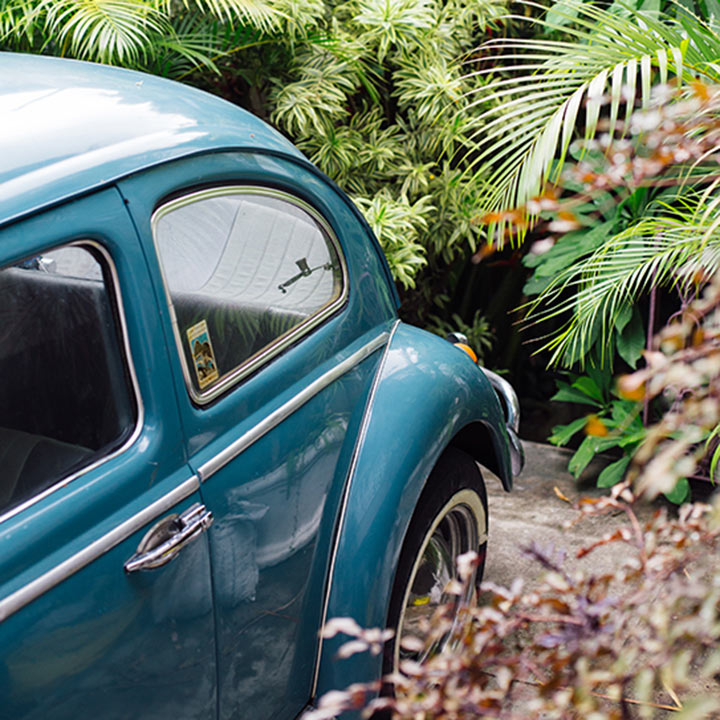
<point>65,393</point>
<point>243,271</point>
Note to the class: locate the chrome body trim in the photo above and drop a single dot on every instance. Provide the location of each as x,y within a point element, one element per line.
<point>517,452</point>
<point>512,418</point>
<point>282,341</point>
<point>125,345</point>
<point>344,500</point>
<point>510,399</point>
<point>26,594</point>
<point>210,467</point>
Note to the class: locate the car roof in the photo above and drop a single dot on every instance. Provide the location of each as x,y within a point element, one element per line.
<point>69,127</point>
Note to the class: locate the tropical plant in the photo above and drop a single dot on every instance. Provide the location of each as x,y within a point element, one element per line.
<point>382,107</point>
<point>637,214</point>
<point>549,89</point>
<point>166,38</point>
<point>615,422</point>
<point>663,176</point>
<point>668,161</point>
<point>642,214</point>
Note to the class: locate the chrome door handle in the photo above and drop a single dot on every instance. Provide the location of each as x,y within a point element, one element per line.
<point>168,537</point>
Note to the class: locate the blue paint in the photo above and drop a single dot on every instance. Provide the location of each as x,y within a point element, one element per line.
<point>229,628</point>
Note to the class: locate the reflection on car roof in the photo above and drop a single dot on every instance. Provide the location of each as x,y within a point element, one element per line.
<point>69,127</point>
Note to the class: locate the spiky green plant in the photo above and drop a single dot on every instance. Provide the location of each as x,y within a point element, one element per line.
<point>375,104</point>
<point>667,250</point>
<point>549,90</point>
<point>159,36</point>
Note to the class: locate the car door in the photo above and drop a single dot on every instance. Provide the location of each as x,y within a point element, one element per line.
<point>275,364</point>
<point>93,469</point>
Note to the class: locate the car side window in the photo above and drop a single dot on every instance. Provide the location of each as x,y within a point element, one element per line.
<point>66,398</point>
<point>246,271</point>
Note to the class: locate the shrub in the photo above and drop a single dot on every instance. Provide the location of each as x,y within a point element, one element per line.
<point>601,646</point>
<point>592,278</point>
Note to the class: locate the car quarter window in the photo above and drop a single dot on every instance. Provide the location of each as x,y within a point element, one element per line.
<point>247,271</point>
<point>66,398</point>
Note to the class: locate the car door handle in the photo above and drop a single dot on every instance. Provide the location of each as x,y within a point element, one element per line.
<point>168,537</point>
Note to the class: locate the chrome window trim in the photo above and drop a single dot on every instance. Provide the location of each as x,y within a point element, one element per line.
<point>48,580</point>
<point>344,500</point>
<point>283,341</point>
<point>125,348</point>
<point>207,469</point>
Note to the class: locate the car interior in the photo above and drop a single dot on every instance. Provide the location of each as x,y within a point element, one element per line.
<point>64,395</point>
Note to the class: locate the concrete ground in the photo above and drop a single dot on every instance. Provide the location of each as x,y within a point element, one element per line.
<point>534,512</point>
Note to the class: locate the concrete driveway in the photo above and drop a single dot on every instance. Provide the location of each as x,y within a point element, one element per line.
<point>534,512</point>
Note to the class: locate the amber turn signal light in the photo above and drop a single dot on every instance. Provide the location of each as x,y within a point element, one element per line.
<point>468,350</point>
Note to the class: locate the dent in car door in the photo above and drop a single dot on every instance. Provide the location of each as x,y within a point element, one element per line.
<point>91,462</point>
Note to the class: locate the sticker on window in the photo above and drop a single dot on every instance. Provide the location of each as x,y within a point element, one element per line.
<point>202,353</point>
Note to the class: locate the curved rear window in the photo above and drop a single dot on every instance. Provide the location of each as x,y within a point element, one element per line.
<point>246,271</point>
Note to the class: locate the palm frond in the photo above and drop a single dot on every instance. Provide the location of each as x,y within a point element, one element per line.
<point>670,249</point>
<point>111,31</point>
<point>18,20</point>
<point>549,88</point>
<point>195,41</point>
<point>192,41</point>
<point>262,14</point>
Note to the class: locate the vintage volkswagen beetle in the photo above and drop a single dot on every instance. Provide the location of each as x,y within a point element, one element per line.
<point>202,362</point>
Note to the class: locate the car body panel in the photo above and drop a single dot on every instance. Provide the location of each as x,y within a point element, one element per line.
<point>137,121</point>
<point>369,305</point>
<point>427,392</point>
<point>273,504</point>
<point>311,464</point>
<point>299,468</point>
<point>78,636</point>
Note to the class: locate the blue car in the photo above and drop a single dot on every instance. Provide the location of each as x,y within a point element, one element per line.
<point>215,433</point>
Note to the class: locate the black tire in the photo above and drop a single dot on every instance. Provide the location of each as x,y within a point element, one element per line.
<point>454,500</point>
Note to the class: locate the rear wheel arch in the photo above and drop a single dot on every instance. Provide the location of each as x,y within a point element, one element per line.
<point>477,440</point>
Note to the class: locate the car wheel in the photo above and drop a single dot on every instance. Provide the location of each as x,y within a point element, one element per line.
<point>450,519</point>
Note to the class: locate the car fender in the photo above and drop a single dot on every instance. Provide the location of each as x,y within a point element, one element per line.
<point>427,395</point>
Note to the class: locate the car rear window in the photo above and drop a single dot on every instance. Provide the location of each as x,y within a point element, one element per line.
<point>246,272</point>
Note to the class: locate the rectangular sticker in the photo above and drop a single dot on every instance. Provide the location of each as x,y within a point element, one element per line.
<point>202,353</point>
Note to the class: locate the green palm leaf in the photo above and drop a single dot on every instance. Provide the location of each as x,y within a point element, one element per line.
<point>659,251</point>
<point>262,14</point>
<point>17,21</point>
<point>192,41</point>
<point>548,88</point>
<point>112,31</point>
